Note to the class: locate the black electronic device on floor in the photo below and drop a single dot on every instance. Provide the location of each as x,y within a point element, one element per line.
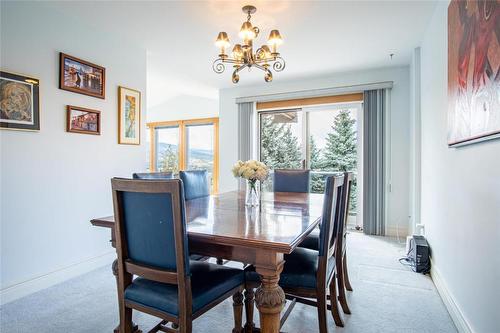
<point>419,254</point>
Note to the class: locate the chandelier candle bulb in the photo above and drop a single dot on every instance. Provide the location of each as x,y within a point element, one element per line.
<point>243,56</point>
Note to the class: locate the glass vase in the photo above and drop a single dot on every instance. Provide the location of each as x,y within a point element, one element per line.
<point>252,195</point>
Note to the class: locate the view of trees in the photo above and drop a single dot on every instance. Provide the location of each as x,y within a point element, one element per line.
<point>169,159</point>
<point>280,148</point>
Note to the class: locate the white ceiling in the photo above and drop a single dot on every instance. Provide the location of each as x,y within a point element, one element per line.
<point>321,37</point>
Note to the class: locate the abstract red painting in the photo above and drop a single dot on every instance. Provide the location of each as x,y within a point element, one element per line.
<point>473,71</point>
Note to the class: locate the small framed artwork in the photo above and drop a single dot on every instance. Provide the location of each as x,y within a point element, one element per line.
<point>81,76</point>
<point>82,120</point>
<point>19,102</point>
<point>129,116</point>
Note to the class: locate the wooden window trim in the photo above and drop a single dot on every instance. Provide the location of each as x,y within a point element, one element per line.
<point>294,103</point>
<point>182,124</point>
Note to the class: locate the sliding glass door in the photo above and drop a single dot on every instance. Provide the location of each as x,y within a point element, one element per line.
<point>186,145</point>
<point>322,138</point>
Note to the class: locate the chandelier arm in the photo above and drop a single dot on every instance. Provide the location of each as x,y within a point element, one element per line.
<point>232,61</point>
<point>279,64</point>
<point>218,66</point>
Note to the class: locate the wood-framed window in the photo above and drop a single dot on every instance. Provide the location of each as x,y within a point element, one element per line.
<point>186,145</point>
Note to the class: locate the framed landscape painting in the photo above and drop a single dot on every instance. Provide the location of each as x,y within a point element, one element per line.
<point>19,102</point>
<point>83,120</point>
<point>473,71</point>
<point>129,116</point>
<point>81,76</point>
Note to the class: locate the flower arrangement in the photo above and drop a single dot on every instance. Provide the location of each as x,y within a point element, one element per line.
<point>252,171</point>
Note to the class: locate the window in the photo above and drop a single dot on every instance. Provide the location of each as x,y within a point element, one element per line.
<point>186,145</point>
<point>323,138</point>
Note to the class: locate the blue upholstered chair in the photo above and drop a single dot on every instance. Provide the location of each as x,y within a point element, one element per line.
<point>312,242</point>
<point>195,183</point>
<point>308,273</point>
<point>152,175</point>
<point>291,180</point>
<point>151,242</point>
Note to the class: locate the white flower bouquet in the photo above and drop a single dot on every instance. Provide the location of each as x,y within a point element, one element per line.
<point>252,171</point>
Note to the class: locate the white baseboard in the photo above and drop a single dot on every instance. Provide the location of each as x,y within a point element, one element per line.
<point>31,286</point>
<point>454,310</point>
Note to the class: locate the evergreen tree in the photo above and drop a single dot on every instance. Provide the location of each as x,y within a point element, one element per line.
<point>169,160</point>
<point>280,149</point>
<point>317,181</point>
<point>341,149</point>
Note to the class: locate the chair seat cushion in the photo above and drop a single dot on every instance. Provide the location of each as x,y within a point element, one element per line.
<point>208,282</point>
<point>311,241</point>
<point>300,269</point>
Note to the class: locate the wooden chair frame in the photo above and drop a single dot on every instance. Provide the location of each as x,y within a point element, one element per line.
<point>127,268</point>
<point>316,297</point>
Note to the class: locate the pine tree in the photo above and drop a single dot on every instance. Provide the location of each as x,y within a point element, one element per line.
<point>317,181</point>
<point>169,160</point>
<point>280,149</point>
<point>341,149</point>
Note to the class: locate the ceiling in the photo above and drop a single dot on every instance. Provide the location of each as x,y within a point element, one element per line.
<point>321,37</point>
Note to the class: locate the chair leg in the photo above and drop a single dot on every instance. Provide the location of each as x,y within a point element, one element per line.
<point>322,309</point>
<point>341,290</point>
<point>334,306</point>
<point>126,325</point>
<point>238,312</point>
<point>346,275</point>
<point>249,307</point>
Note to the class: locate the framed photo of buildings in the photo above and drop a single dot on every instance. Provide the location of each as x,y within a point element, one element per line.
<point>81,76</point>
<point>129,116</point>
<point>83,120</point>
<point>19,102</point>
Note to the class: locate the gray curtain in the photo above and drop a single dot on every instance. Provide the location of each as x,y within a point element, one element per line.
<point>374,139</point>
<point>245,133</point>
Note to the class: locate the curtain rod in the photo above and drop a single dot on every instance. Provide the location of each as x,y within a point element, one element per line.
<point>316,92</point>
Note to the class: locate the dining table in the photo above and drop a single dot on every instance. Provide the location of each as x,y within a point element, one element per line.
<point>223,227</point>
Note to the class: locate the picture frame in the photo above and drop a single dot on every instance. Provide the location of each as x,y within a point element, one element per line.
<point>473,72</point>
<point>83,120</point>
<point>129,116</point>
<point>82,77</point>
<point>19,102</point>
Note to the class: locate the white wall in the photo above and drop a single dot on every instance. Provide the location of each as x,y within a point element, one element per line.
<point>181,107</point>
<point>398,199</point>
<point>53,182</point>
<point>460,199</point>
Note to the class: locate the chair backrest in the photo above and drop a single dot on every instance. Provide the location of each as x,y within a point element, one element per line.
<point>195,183</point>
<point>152,175</point>
<point>291,180</point>
<point>346,198</point>
<point>331,215</point>
<point>150,229</point>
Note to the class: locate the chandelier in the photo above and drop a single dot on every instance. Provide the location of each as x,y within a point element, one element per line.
<point>243,55</point>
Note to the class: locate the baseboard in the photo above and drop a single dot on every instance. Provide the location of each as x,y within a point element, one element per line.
<point>454,310</point>
<point>28,287</point>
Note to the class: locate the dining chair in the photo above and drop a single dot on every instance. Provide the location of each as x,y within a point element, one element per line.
<point>291,180</point>
<point>151,243</point>
<point>307,274</point>
<point>195,183</point>
<point>312,242</point>
<point>152,175</point>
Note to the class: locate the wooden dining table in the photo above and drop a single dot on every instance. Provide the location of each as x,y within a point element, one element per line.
<point>222,226</point>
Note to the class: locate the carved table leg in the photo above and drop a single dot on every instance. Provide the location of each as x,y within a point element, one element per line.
<point>270,299</point>
<point>249,304</point>
<point>238,312</point>
<point>135,327</point>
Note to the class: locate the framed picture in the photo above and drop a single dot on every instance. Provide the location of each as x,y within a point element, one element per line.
<point>129,116</point>
<point>19,102</point>
<point>81,76</point>
<point>82,120</point>
<point>473,71</point>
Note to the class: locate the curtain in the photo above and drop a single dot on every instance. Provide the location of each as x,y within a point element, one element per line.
<point>245,133</point>
<point>374,153</point>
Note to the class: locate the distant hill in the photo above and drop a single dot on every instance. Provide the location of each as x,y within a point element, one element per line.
<point>201,154</point>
